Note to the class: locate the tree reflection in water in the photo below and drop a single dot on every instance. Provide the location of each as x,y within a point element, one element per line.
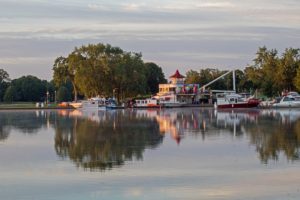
<point>106,141</point>
<point>274,133</point>
<point>27,122</point>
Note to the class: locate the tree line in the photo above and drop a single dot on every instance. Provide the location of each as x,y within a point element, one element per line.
<point>100,69</point>
<point>270,74</point>
<point>32,89</point>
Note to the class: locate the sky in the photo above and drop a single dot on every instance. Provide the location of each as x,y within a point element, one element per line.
<point>175,34</point>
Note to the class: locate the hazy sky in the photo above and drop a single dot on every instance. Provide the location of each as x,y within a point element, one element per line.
<point>175,34</point>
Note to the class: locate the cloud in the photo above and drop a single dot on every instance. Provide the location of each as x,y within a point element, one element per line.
<point>215,5</point>
<point>219,28</point>
<point>97,7</point>
<point>132,7</point>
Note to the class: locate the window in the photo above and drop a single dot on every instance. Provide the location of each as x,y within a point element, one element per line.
<point>287,99</point>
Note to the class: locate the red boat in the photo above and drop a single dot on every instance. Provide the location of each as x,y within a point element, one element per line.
<point>233,100</point>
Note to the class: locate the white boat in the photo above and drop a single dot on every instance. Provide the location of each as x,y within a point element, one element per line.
<point>170,101</point>
<point>288,102</point>
<point>94,103</point>
<point>234,100</point>
<point>147,103</point>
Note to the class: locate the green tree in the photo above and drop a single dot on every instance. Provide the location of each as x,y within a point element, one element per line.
<point>65,70</point>
<point>3,76</point>
<point>287,71</point>
<point>154,76</point>
<point>26,88</point>
<point>297,79</point>
<point>94,76</point>
<point>30,88</point>
<point>10,94</point>
<point>106,71</point>
<point>193,77</point>
<point>134,80</point>
<point>264,71</point>
<point>4,83</point>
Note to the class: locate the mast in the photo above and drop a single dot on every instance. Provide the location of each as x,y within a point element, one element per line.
<point>233,80</point>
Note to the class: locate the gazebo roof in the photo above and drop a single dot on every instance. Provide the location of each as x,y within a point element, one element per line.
<point>177,75</point>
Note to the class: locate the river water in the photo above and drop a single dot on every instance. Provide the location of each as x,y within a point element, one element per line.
<point>188,153</point>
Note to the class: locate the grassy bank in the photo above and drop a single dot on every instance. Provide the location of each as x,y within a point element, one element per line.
<point>28,105</point>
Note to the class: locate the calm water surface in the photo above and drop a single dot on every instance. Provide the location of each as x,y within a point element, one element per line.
<point>144,154</point>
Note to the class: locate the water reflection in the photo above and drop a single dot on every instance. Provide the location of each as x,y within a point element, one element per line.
<point>274,133</point>
<point>28,122</point>
<point>103,140</point>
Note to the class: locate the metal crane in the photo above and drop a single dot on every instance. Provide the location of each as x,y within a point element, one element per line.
<point>233,80</point>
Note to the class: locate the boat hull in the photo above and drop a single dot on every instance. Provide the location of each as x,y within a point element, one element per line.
<point>290,105</point>
<point>114,107</point>
<point>250,104</point>
<point>173,105</point>
<point>148,107</point>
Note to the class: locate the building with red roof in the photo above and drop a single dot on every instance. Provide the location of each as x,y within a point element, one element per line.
<point>177,91</point>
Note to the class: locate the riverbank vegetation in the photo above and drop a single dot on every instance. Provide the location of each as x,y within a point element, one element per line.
<point>99,69</point>
<point>270,73</point>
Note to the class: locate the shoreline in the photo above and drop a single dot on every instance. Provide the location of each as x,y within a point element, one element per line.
<point>72,108</point>
<point>26,108</point>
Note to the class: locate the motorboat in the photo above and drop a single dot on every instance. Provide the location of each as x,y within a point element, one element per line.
<point>94,103</point>
<point>170,101</point>
<point>288,102</point>
<point>234,100</point>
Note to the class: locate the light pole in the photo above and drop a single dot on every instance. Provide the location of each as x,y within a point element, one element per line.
<point>55,96</point>
<point>114,93</point>
<point>47,97</point>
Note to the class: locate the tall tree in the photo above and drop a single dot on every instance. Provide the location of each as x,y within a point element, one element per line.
<point>3,76</point>
<point>95,72</point>
<point>4,83</point>
<point>154,76</point>
<point>287,71</point>
<point>264,71</point>
<point>64,70</point>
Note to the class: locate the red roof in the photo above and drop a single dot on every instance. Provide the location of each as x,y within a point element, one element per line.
<point>177,75</point>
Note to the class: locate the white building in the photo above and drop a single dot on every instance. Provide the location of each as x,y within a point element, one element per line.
<point>177,91</point>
